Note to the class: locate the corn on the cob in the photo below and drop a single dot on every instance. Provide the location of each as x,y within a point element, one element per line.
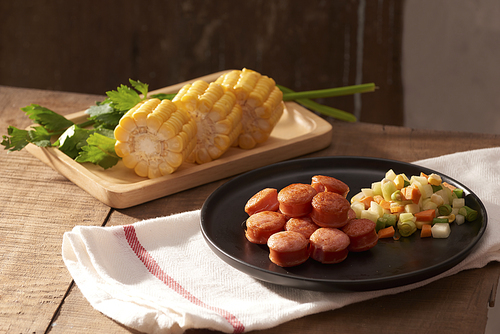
<point>217,115</point>
<point>261,101</point>
<point>155,137</point>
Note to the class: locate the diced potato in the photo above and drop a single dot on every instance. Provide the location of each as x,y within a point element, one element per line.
<point>406,216</point>
<point>427,204</point>
<point>459,219</point>
<point>388,187</point>
<point>358,207</point>
<point>443,195</point>
<point>357,197</point>
<point>377,209</point>
<point>419,224</point>
<point>420,179</point>
<point>377,188</point>
<point>368,192</point>
<point>437,199</point>
<point>390,175</point>
<point>367,214</point>
<point>440,231</point>
<point>458,202</point>
<point>412,208</point>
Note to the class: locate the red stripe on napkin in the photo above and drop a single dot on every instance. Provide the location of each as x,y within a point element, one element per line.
<point>156,270</point>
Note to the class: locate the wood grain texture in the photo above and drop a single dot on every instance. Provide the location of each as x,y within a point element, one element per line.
<point>39,205</point>
<point>94,46</point>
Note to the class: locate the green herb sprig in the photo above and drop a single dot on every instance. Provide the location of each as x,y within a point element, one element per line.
<point>91,141</point>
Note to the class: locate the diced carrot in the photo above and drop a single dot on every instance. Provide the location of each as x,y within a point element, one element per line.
<point>366,201</point>
<point>426,215</point>
<point>424,175</point>
<point>378,198</point>
<point>387,232</point>
<point>411,193</point>
<point>449,186</point>
<point>425,232</point>
<point>386,205</point>
<point>397,208</point>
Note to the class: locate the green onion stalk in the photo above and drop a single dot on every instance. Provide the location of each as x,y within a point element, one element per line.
<point>406,228</point>
<point>304,98</point>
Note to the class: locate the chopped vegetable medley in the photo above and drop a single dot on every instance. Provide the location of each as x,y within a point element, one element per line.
<point>400,206</point>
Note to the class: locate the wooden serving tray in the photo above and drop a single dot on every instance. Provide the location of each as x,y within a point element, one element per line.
<point>298,132</point>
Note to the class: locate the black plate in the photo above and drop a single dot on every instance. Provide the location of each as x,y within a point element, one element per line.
<point>389,264</point>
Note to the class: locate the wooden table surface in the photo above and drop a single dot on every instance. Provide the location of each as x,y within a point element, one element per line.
<point>37,294</point>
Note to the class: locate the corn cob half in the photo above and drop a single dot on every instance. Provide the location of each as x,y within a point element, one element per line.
<point>217,116</point>
<point>155,137</point>
<point>261,101</point>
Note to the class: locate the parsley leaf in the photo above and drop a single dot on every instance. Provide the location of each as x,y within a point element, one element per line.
<point>124,98</point>
<point>163,96</point>
<point>91,141</point>
<point>105,116</point>
<point>139,86</point>
<point>46,117</point>
<point>39,136</point>
<point>20,138</point>
<point>72,140</point>
<point>100,150</point>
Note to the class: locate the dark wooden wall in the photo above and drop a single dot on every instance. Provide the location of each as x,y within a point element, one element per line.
<point>94,46</point>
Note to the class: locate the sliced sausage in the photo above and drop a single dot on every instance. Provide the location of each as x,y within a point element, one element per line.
<point>260,226</point>
<point>330,209</point>
<point>329,245</point>
<point>327,183</point>
<point>288,248</point>
<point>362,234</point>
<point>295,199</point>
<point>264,200</point>
<point>303,225</point>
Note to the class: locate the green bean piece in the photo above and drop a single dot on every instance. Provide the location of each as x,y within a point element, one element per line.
<point>458,192</point>
<point>440,221</point>
<point>380,224</point>
<point>436,188</point>
<point>469,213</point>
<point>444,210</point>
<point>391,219</point>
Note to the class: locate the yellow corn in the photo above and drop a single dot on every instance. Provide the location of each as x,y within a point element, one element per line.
<point>155,137</point>
<point>188,95</point>
<point>217,116</point>
<point>261,101</point>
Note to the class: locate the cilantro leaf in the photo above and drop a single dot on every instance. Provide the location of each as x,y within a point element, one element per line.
<point>100,151</point>
<point>47,118</point>
<point>124,98</point>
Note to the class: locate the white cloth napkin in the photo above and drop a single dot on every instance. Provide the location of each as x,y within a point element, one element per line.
<point>159,276</point>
